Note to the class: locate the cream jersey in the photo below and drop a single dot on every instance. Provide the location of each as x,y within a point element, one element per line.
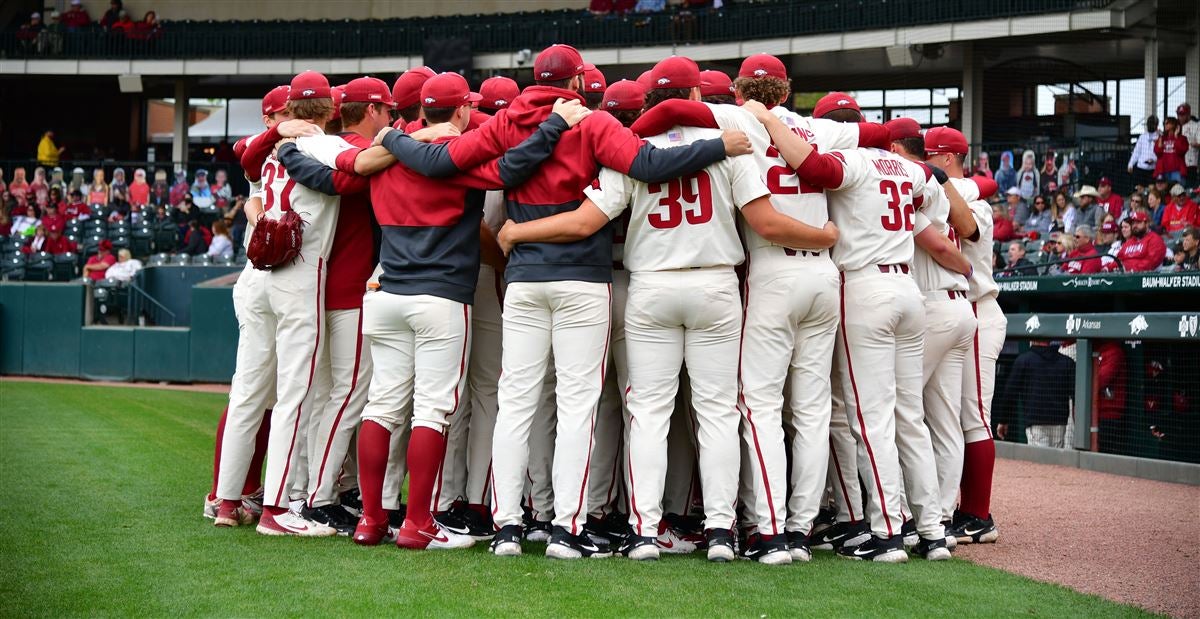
<point>318,211</point>
<point>929,275</point>
<point>789,195</point>
<point>685,222</point>
<point>981,284</point>
<point>494,211</point>
<point>875,207</point>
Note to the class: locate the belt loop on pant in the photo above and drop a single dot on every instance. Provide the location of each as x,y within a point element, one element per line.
<point>956,294</point>
<point>893,268</point>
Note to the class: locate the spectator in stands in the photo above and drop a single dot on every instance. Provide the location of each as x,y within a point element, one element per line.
<point>77,180</point>
<point>1064,210</point>
<point>1006,176</point>
<point>19,187</point>
<point>1068,175</point>
<point>39,189</point>
<point>1144,250</point>
<point>1170,147</point>
<point>47,151</point>
<point>118,192</point>
<point>1107,235</point>
<point>98,189</point>
<point>1084,249</point>
<point>1028,177</point>
<point>1049,174</point>
<point>180,188</point>
<point>125,268</point>
<point>148,28</point>
<point>222,244</point>
<point>1066,246</point>
<point>139,191</point>
<point>201,191</point>
<point>1180,213</point>
<point>160,191</point>
<point>1090,212</point>
<point>1040,219</point>
<point>221,191</point>
<point>235,218</point>
<point>5,220</point>
<point>1050,251</point>
<point>1018,209</point>
<point>97,265</point>
<point>1187,257</point>
<point>193,242</point>
<point>983,167</point>
<point>36,242</point>
<point>1018,265</point>
<point>1124,233</point>
<point>124,24</point>
<point>51,217</point>
<point>1041,380</point>
<point>1142,160</point>
<point>112,14</point>
<point>1136,200</point>
<point>76,17</point>
<point>1156,206</point>
<point>30,31</point>
<point>76,208</point>
<point>1002,226</point>
<point>1109,201</point>
<point>1190,129</point>
<point>26,223</point>
<point>55,242</point>
<point>9,205</point>
<point>600,8</point>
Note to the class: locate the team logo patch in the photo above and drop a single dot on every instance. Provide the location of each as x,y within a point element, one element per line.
<point>546,74</point>
<point>760,72</point>
<point>501,102</point>
<point>376,97</point>
<point>843,102</point>
<point>662,81</point>
<point>611,104</point>
<point>307,92</point>
<point>594,85</point>
<point>430,100</point>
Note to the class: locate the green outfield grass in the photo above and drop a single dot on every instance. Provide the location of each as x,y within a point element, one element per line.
<point>101,493</point>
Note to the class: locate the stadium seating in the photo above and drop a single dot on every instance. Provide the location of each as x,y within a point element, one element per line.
<point>38,267</point>
<point>165,237</point>
<point>64,267</point>
<point>142,241</point>
<point>13,267</point>
<point>159,259</point>
<point>181,260</point>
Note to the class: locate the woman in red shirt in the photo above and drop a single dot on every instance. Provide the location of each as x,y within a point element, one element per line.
<point>97,265</point>
<point>1171,147</point>
<point>1002,226</point>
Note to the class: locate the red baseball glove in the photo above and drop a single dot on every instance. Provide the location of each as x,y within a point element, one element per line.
<point>276,242</point>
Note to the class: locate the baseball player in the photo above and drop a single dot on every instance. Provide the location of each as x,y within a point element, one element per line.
<point>558,296</point>
<point>791,314</point>
<point>281,310</point>
<point>873,199</point>
<point>496,93</point>
<point>406,93</point>
<point>594,86</point>
<point>716,87</point>
<point>418,322</point>
<point>274,110</point>
<point>681,246</point>
<point>941,273</point>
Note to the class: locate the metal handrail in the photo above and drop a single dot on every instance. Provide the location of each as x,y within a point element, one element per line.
<point>1049,263</point>
<point>138,296</point>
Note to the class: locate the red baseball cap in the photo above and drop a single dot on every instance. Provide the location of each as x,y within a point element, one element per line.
<point>1137,216</point>
<point>1183,108</point>
<point>1104,182</point>
<point>557,62</point>
<point>835,101</point>
<point>105,245</point>
<point>903,128</point>
<point>309,85</point>
<point>498,92</point>
<point>447,90</point>
<point>338,94</point>
<point>763,65</point>
<point>646,80</point>
<point>945,140</point>
<point>714,83</point>
<point>1108,226</point>
<point>407,90</point>
<point>275,101</point>
<point>675,72</point>
<point>593,79</point>
<point>367,90</point>
<point>624,95</point>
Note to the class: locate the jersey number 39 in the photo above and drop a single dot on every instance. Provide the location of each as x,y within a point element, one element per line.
<point>900,207</point>
<point>694,192</point>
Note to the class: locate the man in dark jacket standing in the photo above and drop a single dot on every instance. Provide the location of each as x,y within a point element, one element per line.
<point>1041,378</point>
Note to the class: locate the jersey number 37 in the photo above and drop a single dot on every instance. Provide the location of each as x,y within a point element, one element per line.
<point>694,192</point>
<point>900,206</point>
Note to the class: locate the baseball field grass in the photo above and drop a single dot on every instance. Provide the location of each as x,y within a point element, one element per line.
<point>100,501</point>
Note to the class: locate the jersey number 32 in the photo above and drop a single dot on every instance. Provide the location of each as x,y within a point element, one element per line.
<point>694,192</point>
<point>900,206</point>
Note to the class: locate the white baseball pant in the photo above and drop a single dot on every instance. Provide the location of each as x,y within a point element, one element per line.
<point>843,476</point>
<point>679,488</point>
<point>572,320</point>
<point>397,470</point>
<point>604,478</point>
<point>949,331</point>
<point>791,322</point>
<point>979,370</point>
<point>879,355</point>
<point>539,478</point>
<point>347,362</point>
<point>672,317</point>
<point>279,310</point>
<point>483,378</point>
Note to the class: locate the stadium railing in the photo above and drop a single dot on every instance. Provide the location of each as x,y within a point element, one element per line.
<point>509,32</point>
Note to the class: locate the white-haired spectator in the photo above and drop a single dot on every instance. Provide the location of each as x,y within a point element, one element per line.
<point>126,267</point>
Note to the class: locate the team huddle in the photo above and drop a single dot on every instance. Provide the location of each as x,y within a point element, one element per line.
<point>656,316</point>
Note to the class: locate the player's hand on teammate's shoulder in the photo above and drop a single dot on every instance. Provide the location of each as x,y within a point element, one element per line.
<point>378,141</point>
<point>759,110</point>
<point>831,234</point>
<point>571,111</point>
<point>505,238</point>
<point>280,143</point>
<point>736,143</point>
<point>436,132</point>
<point>297,128</point>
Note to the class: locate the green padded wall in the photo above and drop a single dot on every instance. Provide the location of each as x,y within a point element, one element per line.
<point>53,317</point>
<point>106,353</point>
<point>214,334</point>
<point>161,354</point>
<point>12,327</point>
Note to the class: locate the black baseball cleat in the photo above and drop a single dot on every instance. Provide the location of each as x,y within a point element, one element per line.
<point>640,548</point>
<point>507,542</point>
<point>332,515</point>
<point>909,531</point>
<point>613,529</point>
<point>768,550</point>
<point>881,549</point>
<point>798,546</point>
<point>825,518</point>
<point>396,516</point>
<point>720,545</point>
<point>352,501</point>
<point>538,531</point>
<point>840,535</point>
<point>975,530</point>
<point>932,549</point>
<point>564,545</point>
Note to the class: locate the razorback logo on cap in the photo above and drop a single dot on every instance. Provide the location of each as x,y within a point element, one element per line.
<point>595,85</point>
<point>376,96</point>
<point>546,74</point>
<point>430,100</point>
<point>308,92</point>
<point>501,102</point>
<point>760,72</point>
<point>843,102</point>
<point>664,80</point>
<point>611,104</point>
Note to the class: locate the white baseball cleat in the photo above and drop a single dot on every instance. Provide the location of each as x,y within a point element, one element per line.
<point>671,543</point>
<point>434,537</point>
<point>211,507</point>
<point>291,523</point>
